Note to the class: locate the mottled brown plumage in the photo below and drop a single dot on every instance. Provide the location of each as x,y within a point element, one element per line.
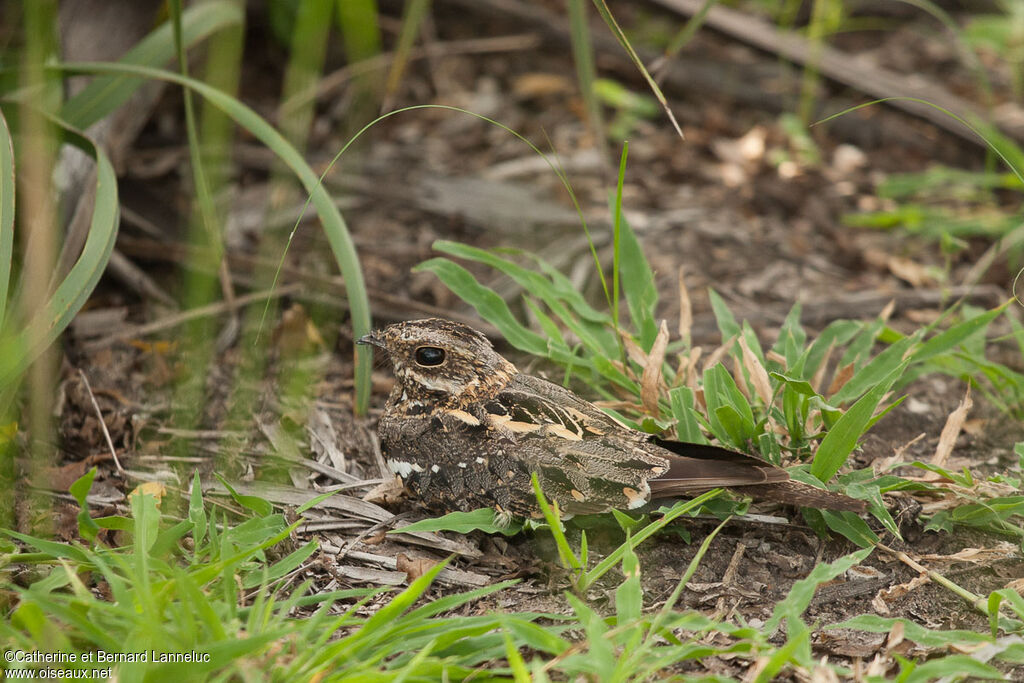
<point>464,429</point>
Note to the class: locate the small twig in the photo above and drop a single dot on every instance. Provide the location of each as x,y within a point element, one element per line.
<point>103,425</point>
<point>979,603</point>
<point>349,545</point>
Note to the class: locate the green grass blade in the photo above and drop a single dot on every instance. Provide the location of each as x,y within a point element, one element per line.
<point>106,93</point>
<point>46,325</point>
<point>330,218</point>
<point>7,198</point>
<point>802,592</point>
<point>956,334</point>
<point>842,438</point>
<point>875,371</point>
<point>416,11</point>
<point>586,74</point>
<point>487,303</point>
<point>638,283</point>
<point>305,66</point>
<point>606,14</point>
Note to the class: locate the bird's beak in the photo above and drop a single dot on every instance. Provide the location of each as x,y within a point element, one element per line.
<point>371,340</point>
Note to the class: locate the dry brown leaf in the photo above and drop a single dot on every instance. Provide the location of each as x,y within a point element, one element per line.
<point>387,492</point>
<point>910,271</point>
<point>633,350</point>
<point>741,382</point>
<point>1016,585</point>
<point>890,594</point>
<point>687,372</point>
<point>819,374</point>
<point>887,311</point>
<point>951,430</point>
<point>882,465</point>
<point>758,375</point>
<point>824,673</point>
<point>719,353</point>
<point>840,379</point>
<point>922,316</point>
<point>976,555</point>
<point>413,568</point>
<point>61,478</point>
<point>651,381</point>
<point>976,426</point>
<point>896,635</point>
<point>296,332</point>
<point>685,307</point>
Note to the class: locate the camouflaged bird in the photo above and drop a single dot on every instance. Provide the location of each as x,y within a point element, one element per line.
<point>464,430</point>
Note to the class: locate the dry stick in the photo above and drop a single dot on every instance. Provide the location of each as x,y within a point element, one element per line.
<point>186,316</point>
<point>851,71</point>
<point>979,603</point>
<point>103,424</point>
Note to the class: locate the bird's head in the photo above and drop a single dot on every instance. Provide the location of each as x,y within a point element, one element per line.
<point>442,360</point>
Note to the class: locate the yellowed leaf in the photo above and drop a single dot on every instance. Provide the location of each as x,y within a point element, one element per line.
<point>151,488</point>
<point>842,376</point>
<point>951,430</point>
<point>652,379</point>
<point>685,308</point>
<point>758,375</point>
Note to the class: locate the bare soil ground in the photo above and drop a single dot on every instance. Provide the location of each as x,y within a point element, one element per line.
<point>733,205</point>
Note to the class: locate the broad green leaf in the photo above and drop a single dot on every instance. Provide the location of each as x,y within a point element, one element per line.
<point>483,519</point>
<point>727,324</point>
<point>87,527</point>
<point>687,427</point>
<point>956,335</point>
<point>288,563</point>
<point>629,596</point>
<point>835,334</point>
<point>842,438</point>
<point>851,526</point>
<point>487,303</point>
<point>261,506</point>
<point>728,410</point>
<point>638,285</point>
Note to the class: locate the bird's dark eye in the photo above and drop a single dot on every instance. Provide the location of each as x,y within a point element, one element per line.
<point>429,355</point>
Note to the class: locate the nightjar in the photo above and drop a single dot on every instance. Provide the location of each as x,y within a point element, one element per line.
<point>464,430</point>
